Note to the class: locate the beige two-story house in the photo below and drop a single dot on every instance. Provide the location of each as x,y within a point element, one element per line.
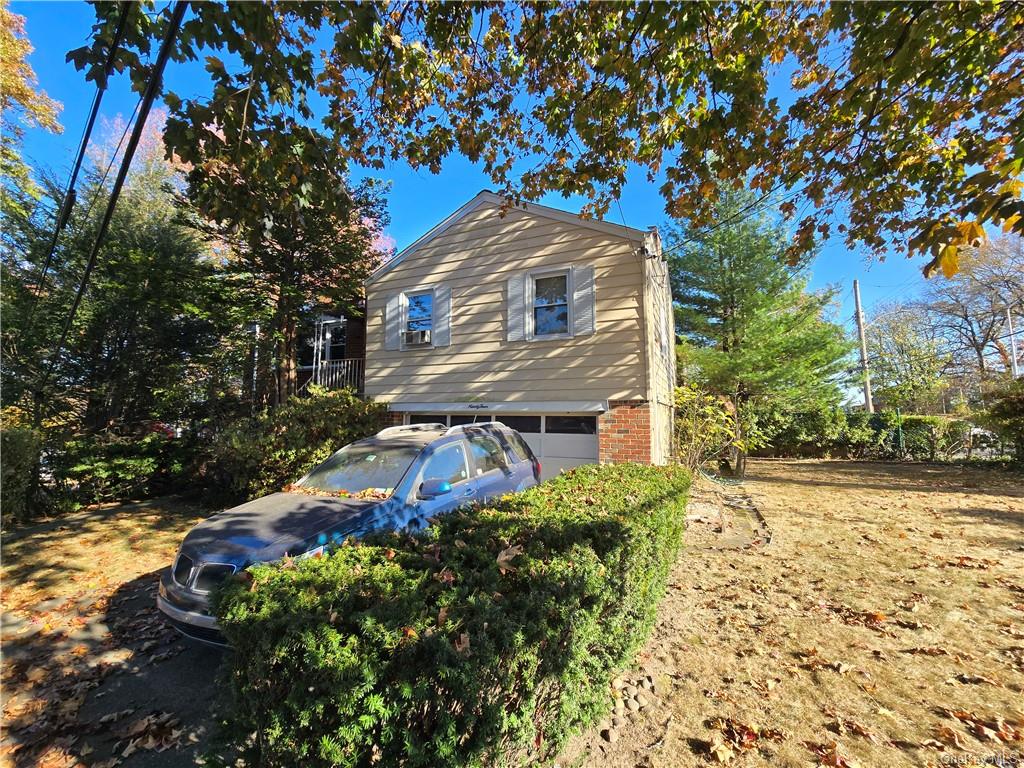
<point>558,326</point>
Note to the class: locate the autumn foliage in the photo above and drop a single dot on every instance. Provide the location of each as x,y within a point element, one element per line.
<point>487,640</point>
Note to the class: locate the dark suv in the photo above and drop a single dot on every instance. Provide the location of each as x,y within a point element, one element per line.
<point>396,480</point>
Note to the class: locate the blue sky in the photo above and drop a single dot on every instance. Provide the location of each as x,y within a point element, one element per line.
<point>418,199</point>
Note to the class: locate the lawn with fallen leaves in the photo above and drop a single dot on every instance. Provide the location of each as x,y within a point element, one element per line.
<point>883,625</point>
<point>79,621</point>
<point>823,613</point>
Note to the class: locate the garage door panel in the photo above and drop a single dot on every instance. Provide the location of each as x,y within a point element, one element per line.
<point>551,467</point>
<point>571,446</point>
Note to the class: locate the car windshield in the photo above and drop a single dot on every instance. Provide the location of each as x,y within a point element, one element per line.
<point>362,468</point>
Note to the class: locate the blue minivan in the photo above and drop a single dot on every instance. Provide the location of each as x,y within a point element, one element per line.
<point>396,480</point>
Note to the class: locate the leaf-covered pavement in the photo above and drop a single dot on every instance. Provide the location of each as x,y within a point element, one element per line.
<point>883,626</point>
<point>92,675</point>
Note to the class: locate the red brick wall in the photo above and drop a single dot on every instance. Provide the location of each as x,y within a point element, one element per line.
<point>624,432</point>
<point>397,418</point>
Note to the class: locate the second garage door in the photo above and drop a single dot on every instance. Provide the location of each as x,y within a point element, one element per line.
<point>560,441</point>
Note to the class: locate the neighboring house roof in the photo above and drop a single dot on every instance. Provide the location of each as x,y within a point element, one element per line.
<point>487,196</point>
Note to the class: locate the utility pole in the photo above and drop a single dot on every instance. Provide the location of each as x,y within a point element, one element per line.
<point>1013,343</point>
<point>868,404</point>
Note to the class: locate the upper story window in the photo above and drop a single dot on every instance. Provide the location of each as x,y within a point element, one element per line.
<point>551,304</point>
<point>419,319</point>
<point>420,313</point>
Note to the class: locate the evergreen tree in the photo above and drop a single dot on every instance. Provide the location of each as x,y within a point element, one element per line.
<point>756,335</point>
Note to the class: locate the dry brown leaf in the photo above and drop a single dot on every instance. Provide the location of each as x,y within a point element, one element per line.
<point>950,736</point>
<point>829,754</point>
<point>720,751</point>
<point>506,556</point>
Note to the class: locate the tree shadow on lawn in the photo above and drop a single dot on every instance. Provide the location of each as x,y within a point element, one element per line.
<point>125,685</point>
<point>903,477</point>
<point>25,548</point>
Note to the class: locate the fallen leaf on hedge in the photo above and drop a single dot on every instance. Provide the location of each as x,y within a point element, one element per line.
<point>389,554</point>
<point>462,642</point>
<point>506,556</point>
<point>442,615</point>
<point>446,576</point>
<point>409,633</point>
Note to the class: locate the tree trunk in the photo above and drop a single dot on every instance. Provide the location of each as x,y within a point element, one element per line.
<point>740,453</point>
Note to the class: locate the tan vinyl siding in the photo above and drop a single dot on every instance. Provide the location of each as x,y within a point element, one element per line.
<point>475,258</point>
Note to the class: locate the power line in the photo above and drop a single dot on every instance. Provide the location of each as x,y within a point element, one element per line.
<point>113,157</point>
<point>64,212</point>
<point>152,88</point>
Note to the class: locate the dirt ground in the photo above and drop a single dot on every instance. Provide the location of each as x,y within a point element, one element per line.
<point>828,613</point>
<point>883,625</point>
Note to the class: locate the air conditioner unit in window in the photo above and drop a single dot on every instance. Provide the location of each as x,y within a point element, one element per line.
<point>417,338</point>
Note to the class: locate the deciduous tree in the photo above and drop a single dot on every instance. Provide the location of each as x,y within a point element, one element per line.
<point>908,359</point>
<point>22,105</point>
<point>904,126</point>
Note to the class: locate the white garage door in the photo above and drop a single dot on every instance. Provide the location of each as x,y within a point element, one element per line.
<point>560,441</point>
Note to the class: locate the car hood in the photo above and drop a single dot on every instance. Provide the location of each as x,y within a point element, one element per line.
<point>275,525</point>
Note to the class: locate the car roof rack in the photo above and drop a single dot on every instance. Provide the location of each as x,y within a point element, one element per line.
<point>412,428</point>
<point>463,428</point>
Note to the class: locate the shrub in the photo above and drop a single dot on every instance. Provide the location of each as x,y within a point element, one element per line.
<point>704,426</point>
<point>257,456</point>
<point>485,640</point>
<point>109,467</point>
<point>816,432</point>
<point>19,454</point>
<point>862,435</point>
<point>1005,416</point>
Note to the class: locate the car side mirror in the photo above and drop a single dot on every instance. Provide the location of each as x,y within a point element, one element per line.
<point>434,487</point>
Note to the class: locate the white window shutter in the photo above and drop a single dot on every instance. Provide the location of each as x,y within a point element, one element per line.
<point>442,331</point>
<point>393,323</point>
<point>517,307</point>
<point>584,313</point>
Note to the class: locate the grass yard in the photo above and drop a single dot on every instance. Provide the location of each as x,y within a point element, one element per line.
<point>882,626</point>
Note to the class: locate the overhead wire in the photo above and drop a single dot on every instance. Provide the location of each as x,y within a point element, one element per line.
<point>149,95</point>
<point>64,211</point>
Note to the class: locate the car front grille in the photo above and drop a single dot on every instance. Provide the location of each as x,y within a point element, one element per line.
<point>211,575</point>
<point>182,569</point>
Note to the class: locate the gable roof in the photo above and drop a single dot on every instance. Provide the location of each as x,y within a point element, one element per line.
<point>486,196</point>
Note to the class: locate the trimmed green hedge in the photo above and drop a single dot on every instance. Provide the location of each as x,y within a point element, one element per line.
<point>486,640</point>
<point>833,432</point>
